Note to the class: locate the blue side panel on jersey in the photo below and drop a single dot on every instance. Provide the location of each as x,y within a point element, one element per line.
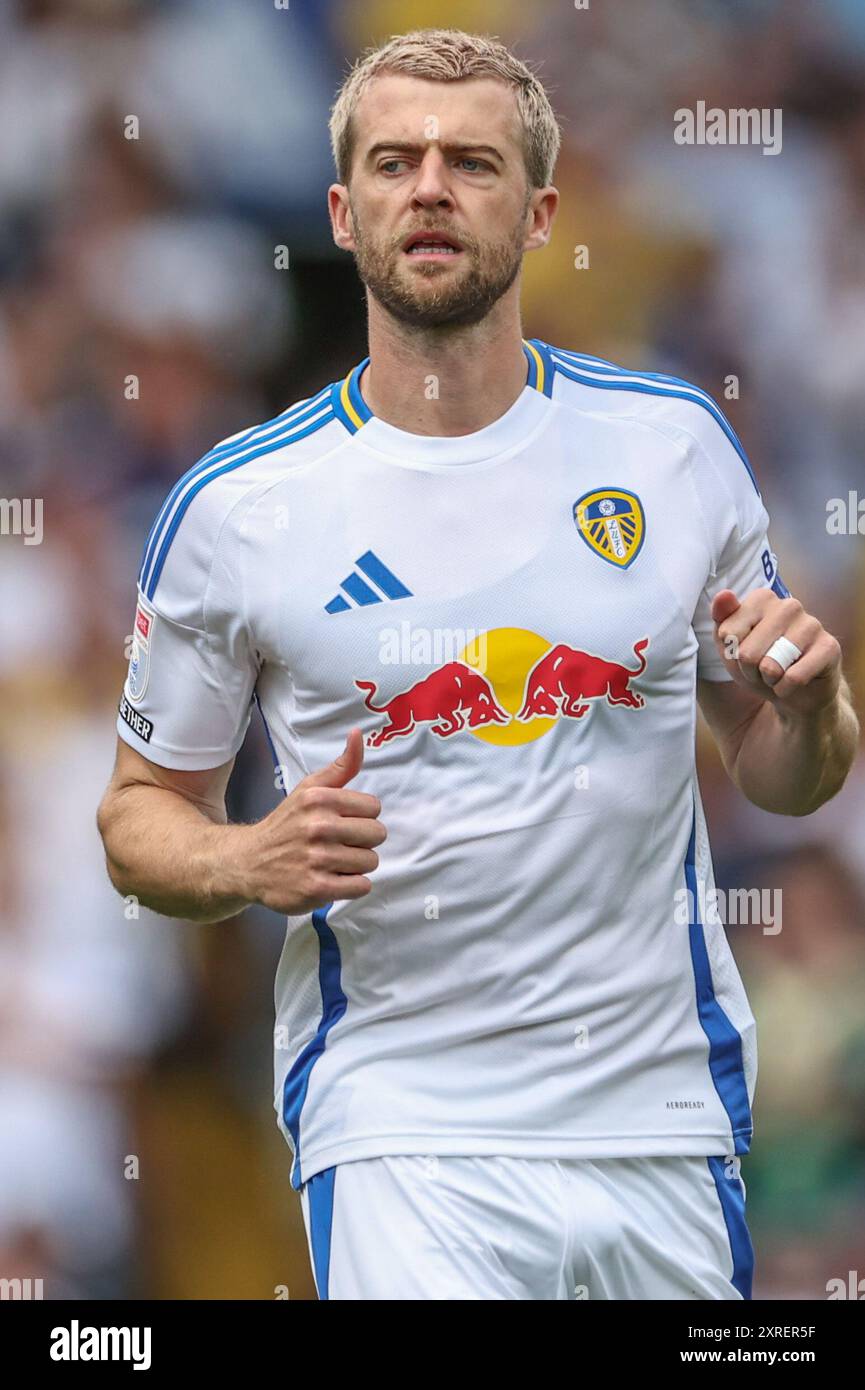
<point>725,1043</point>
<point>333,1006</point>
<point>379,573</point>
<point>320,1191</point>
<point>667,387</point>
<point>731,1195</point>
<point>267,431</point>
<point>208,477</point>
<point>273,754</point>
<point>333,1003</point>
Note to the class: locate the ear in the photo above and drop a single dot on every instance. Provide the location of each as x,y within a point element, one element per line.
<point>544,204</point>
<point>339,209</point>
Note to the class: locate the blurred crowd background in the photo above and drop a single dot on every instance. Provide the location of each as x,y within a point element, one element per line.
<point>139,1155</point>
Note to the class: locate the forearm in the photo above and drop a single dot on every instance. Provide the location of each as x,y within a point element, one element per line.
<point>792,763</point>
<point>175,857</point>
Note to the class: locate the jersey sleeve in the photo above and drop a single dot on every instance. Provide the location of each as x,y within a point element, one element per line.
<point>736,525</point>
<point>187,698</point>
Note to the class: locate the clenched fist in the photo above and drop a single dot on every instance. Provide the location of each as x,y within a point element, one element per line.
<point>746,636</point>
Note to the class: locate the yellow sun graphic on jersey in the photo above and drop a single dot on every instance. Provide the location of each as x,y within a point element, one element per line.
<point>505,656</point>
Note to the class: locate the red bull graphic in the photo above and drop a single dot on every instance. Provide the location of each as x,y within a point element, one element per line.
<point>510,687</point>
<point>566,679</point>
<point>446,700</point>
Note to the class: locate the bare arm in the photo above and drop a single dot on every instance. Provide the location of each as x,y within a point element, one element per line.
<point>784,764</point>
<point>167,840</point>
<point>788,741</point>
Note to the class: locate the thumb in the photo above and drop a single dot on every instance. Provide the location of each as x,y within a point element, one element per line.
<point>724,604</point>
<point>343,767</point>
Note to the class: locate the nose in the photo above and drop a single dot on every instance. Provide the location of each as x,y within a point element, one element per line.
<point>431,188</point>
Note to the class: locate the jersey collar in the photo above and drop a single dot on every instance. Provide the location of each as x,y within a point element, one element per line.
<point>352,410</point>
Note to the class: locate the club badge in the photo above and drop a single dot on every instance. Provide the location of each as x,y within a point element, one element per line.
<point>612,523</point>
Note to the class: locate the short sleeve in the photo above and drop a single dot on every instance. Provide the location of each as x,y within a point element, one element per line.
<point>737,528</point>
<point>187,699</point>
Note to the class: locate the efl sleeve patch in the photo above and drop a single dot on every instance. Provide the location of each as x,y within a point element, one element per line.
<point>139,657</point>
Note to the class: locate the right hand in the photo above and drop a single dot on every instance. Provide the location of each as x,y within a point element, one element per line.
<point>319,844</point>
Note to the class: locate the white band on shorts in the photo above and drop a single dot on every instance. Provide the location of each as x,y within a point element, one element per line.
<point>784,652</point>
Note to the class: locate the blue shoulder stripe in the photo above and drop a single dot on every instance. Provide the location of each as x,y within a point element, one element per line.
<point>583,361</point>
<point>199,477</point>
<point>270,429</point>
<point>608,377</point>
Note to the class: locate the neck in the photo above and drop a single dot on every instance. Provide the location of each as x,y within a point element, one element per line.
<point>444,381</point>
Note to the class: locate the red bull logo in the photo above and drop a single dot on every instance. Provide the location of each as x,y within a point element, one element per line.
<point>566,680</point>
<point>448,700</point>
<point>525,686</point>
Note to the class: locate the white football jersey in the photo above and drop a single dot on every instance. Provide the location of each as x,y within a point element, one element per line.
<point>516,619</point>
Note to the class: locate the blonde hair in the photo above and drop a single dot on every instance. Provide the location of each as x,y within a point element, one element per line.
<point>445,55</point>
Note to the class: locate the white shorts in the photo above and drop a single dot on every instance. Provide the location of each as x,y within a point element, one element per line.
<point>430,1227</point>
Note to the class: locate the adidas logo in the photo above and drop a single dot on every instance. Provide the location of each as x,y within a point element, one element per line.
<point>373,585</point>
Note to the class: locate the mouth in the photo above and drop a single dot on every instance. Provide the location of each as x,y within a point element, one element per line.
<point>432,246</point>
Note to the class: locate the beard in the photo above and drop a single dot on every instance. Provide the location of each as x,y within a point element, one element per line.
<point>457,299</point>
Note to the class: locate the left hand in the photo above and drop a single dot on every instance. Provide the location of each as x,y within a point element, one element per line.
<point>744,632</point>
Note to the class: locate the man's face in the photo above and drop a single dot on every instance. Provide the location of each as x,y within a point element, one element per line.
<point>444,158</point>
